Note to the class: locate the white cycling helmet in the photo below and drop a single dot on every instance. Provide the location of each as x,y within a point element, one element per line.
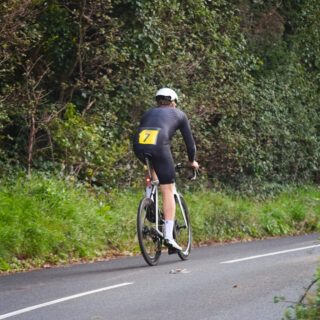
<point>166,92</point>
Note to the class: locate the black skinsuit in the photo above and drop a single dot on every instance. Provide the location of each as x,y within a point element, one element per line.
<point>157,127</point>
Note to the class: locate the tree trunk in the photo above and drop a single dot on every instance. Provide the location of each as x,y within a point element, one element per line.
<point>32,135</point>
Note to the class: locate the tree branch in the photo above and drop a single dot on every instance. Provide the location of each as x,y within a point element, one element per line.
<point>266,17</point>
<point>90,104</point>
<point>307,290</point>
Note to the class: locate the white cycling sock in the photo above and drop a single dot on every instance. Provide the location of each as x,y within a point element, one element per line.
<point>168,229</point>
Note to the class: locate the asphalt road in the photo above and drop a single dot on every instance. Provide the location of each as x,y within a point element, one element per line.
<point>224,282</point>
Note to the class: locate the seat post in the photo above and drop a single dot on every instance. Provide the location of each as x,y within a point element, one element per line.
<point>149,168</point>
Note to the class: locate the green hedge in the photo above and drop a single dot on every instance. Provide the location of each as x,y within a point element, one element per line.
<point>76,77</point>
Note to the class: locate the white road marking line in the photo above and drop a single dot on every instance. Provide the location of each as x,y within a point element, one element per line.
<point>42,305</point>
<point>269,254</point>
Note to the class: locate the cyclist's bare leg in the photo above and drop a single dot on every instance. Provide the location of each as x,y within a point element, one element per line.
<point>168,203</point>
<point>169,209</point>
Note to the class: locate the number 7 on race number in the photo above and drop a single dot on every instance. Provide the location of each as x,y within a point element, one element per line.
<point>148,136</point>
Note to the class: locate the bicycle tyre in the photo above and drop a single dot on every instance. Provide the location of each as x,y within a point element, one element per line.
<point>149,240</point>
<point>181,232</point>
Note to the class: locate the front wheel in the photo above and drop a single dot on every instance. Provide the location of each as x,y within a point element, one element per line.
<point>182,228</point>
<point>149,239</point>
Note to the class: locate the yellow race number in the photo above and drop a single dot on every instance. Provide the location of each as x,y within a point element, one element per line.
<point>148,136</point>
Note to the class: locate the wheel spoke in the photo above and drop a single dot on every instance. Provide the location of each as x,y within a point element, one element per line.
<point>149,240</point>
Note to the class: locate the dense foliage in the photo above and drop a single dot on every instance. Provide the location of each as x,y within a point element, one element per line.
<point>75,77</point>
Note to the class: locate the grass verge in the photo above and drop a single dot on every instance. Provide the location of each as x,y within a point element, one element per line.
<point>48,220</point>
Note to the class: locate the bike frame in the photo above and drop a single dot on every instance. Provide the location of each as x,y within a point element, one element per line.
<point>155,197</point>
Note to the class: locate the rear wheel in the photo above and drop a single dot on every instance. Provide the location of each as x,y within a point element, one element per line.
<point>149,239</point>
<point>182,228</point>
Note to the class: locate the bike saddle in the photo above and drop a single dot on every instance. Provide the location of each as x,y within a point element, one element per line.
<point>147,155</point>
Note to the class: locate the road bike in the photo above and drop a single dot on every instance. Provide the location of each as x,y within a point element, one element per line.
<point>150,221</point>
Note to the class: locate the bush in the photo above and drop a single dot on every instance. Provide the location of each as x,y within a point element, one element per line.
<point>76,77</point>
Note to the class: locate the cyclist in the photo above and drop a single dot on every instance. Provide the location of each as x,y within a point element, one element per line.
<point>157,127</point>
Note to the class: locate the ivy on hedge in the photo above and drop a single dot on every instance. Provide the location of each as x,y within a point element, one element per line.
<point>76,76</point>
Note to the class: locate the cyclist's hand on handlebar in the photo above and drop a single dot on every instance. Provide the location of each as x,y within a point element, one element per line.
<point>194,164</point>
